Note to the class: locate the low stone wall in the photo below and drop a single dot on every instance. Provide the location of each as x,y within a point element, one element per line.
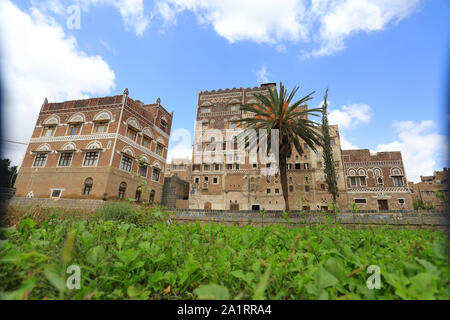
<point>85,204</point>
<point>416,218</point>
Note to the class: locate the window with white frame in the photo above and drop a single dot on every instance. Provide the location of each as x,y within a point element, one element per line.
<point>91,159</point>
<point>131,133</point>
<point>398,181</point>
<point>101,127</point>
<point>65,159</point>
<point>352,181</point>
<point>126,163</point>
<point>40,159</point>
<point>55,193</point>
<point>159,149</point>
<point>48,131</point>
<point>74,130</point>
<point>155,174</point>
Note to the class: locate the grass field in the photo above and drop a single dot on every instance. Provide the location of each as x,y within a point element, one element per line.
<point>129,253</point>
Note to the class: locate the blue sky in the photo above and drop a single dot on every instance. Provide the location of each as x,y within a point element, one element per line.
<point>385,62</point>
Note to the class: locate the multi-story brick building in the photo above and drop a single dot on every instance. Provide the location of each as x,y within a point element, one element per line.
<point>376,181</point>
<point>181,167</point>
<point>239,181</point>
<point>110,147</point>
<point>425,190</point>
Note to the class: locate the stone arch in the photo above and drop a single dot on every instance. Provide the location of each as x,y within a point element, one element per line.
<point>361,172</point>
<point>104,115</point>
<point>94,145</point>
<point>69,146</point>
<point>52,120</point>
<point>156,164</point>
<point>206,104</point>
<point>132,122</point>
<point>147,132</point>
<point>351,172</point>
<point>161,141</point>
<point>128,151</point>
<point>233,101</point>
<point>44,147</point>
<point>396,171</point>
<point>77,118</point>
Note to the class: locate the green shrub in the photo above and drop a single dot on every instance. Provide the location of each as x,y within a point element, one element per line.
<point>119,211</point>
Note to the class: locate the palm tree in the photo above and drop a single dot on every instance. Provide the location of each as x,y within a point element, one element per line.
<point>276,111</point>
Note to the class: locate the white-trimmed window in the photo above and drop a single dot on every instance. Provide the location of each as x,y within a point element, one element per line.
<point>143,168</point>
<point>88,183</point>
<point>380,181</point>
<point>206,167</point>
<point>40,159</point>
<point>48,131</point>
<point>362,181</point>
<point>122,189</point>
<point>56,193</point>
<point>101,127</point>
<point>352,181</point>
<point>74,130</point>
<point>91,159</point>
<point>159,149</point>
<point>131,134</point>
<point>146,142</point>
<point>65,159</point>
<point>215,180</point>
<point>126,163</point>
<point>360,201</point>
<point>217,167</point>
<point>398,181</point>
<point>401,200</point>
<point>155,174</point>
<point>196,180</point>
<point>163,125</point>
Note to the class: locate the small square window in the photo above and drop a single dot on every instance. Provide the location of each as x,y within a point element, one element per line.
<point>277,190</point>
<point>215,180</point>
<point>306,188</point>
<point>291,188</point>
<point>268,191</point>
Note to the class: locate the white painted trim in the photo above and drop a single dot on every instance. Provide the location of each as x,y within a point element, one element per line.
<point>71,159</point>
<point>84,158</point>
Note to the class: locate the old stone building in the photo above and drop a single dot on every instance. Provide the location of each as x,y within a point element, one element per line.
<point>110,147</point>
<point>432,190</point>
<point>180,167</point>
<point>227,176</point>
<point>175,193</point>
<point>376,181</point>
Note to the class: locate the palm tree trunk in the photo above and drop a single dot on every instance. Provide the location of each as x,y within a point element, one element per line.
<point>283,178</point>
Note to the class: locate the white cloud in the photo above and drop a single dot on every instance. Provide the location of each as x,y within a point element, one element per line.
<point>132,11</point>
<point>351,115</point>
<point>262,75</point>
<point>183,149</point>
<point>324,22</point>
<point>420,148</point>
<point>56,69</point>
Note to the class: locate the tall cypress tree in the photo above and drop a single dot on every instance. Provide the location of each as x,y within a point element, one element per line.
<point>330,171</point>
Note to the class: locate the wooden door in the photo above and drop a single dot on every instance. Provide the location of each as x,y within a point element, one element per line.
<point>383,205</point>
<point>207,205</point>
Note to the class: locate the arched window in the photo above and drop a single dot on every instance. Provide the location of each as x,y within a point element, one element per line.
<point>122,188</point>
<point>138,194</point>
<point>88,186</point>
<point>361,172</point>
<point>152,196</point>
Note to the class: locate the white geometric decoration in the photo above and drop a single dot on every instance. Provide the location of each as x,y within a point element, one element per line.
<point>103,116</point>
<point>53,119</point>
<point>128,151</point>
<point>94,145</point>
<point>252,101</point>
<point>69,146</point>
<point>156,164</point>
<point>205,104</point>
<point>160,140</point>
<point>77,118</point>
<point>147,132</point>
<point>233,101</point>
<point>132,122</point>
<point>44,147</point>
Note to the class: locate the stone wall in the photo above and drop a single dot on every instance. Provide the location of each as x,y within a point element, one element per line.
<point>93,205</point>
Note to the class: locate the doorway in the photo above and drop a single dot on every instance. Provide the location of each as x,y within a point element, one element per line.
<point>383,205</point>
